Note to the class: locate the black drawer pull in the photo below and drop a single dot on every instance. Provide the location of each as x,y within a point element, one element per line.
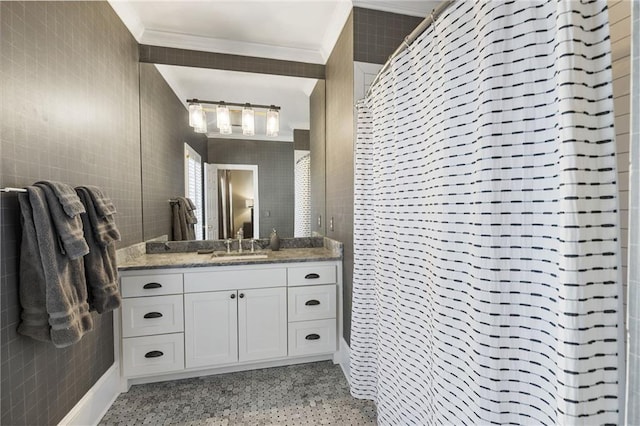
<point>153,354</point>
<point>312,336</point>
<point>312,302</point>
<point>153,315</point>
<point>233,295</point>
<point>241,295</point>
<point>311,276</point>
<point>151,285</point>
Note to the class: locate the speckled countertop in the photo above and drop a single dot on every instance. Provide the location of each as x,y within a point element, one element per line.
<point>194,260</point>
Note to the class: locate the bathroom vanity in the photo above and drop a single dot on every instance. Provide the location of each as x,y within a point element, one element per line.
<point>188,314</point>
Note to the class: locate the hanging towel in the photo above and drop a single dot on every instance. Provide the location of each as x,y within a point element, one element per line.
<point>56,278</point>
<point>103,204</point>
<point>184,218</point>
<point>66,196</point>
<point>102,221</point>
<point>100,264</point>
<point>68,228</point>
<point>35,319</point>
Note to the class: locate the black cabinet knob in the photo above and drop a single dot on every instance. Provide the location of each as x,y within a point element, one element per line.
<point>151,285</point>
<point>153,354</point>
<point>311,276</point>
<point>312,336</point>
<point>241,296</point>
<point>233,296</point>
<point>312,302</point>
<point>153,315</point>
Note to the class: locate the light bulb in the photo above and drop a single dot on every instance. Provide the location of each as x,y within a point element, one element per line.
<point>273,122</point>
<point>248,122</point>
<point>223,118</point>
<point>201,123</point>
<point>194,114</point>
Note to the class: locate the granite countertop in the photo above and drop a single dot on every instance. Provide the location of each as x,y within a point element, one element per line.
<point>194,260</point>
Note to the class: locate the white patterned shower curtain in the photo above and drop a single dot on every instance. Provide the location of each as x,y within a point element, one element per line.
<point>486,282</point>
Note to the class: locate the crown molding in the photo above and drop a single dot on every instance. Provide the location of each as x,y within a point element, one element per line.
<point>391,7</point>
<point>336,23</point>
<point>216,45</point>
<point>129,17</point>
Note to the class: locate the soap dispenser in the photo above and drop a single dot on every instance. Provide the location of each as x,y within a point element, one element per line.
<point>274,243</point>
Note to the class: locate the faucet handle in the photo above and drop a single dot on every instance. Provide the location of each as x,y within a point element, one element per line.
<point>228,242</point>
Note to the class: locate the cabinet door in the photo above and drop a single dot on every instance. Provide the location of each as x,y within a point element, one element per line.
<point>210,328</point>
<point>262,323</point>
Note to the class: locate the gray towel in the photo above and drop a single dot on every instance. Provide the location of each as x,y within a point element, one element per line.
<point>184,219</point>
<point>35,319</point>
<point>68,229</point>
<point>100,264</point>
<point>66,196</point>
<point>103,204</point>
<point>63,290</point>
<point>103,225</point>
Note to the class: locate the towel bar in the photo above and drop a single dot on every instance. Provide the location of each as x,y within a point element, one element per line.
<point>9,189</point>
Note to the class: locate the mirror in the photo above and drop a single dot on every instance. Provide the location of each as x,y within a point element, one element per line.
<point>280,167</point>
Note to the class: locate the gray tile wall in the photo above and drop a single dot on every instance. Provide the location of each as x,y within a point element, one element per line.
<point>164,128</point>
<point>70,112</point>
<point>633,307</point>
<point>339,156</point>
<point>376,34</point>
<point>222,61</point>
<point>275,163</point>
<point>317,167</point>
<point>301,139</point>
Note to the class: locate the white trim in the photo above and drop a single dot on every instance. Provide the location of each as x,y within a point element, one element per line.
<point>256,193</point>
<point>95,403</point>
<point>363,75</point>
<point>199,372</point>
<point>129,17</point>
<point>344,359</point>
<point>334,29</point>
<point>401,8</point>
<point>231,47</point>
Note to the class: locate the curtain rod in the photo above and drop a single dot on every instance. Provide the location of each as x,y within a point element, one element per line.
<point>422,26</point>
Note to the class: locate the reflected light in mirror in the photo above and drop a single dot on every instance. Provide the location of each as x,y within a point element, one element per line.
<point>200,124</point>
<point>194,114</point>
<point>273,122</point>
<point>248,122</point>
<point>223,118</point>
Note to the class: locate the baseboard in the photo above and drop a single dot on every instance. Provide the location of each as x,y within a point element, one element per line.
<point>345,359</point>
<point>90,409</point>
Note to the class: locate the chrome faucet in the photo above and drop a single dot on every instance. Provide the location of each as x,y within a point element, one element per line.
<point>240,235</point>
<point>228,243</point>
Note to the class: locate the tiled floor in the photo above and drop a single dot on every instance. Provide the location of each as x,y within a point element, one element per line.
<point>305,394</point>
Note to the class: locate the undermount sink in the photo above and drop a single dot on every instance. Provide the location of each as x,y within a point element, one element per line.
<point>238,256</point>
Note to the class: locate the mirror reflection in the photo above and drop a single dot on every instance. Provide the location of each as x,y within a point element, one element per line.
<point>252,183</point>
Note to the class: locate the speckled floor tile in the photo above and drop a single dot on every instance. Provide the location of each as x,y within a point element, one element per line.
<point>306,394</point>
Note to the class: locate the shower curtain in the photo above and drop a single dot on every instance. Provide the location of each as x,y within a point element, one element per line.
<point>486,282</point>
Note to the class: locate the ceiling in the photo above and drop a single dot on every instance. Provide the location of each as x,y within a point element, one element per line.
<point>294,30</point>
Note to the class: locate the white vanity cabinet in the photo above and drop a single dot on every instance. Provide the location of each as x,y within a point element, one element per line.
<point>184,322</point>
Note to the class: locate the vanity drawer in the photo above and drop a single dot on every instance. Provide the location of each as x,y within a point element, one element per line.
<point>312,337</point>
<point>152,354</point>
<point>151,285</point>
<point>144,316</point>
<point>312,275</point>
<point>312,302</point>
<point>234,279</point>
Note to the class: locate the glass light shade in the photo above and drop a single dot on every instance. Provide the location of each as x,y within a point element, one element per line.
<point>248,122</point>
<point>201,123</point>
<point>273,122</point>
<point>226,130</point>
<point>195,112</point>
<point>223,118</point>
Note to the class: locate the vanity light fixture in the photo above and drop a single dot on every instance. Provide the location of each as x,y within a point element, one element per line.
<point>223,117</point>
<point>248,122</point>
